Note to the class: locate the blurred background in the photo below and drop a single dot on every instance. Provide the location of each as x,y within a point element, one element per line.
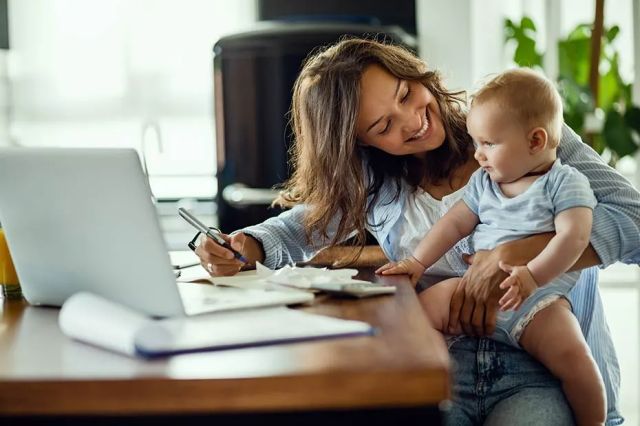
<point>201,89</point>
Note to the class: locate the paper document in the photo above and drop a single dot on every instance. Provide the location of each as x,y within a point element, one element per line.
<point>100,322</point>
<point>200,298</point>
<point>335,281</point>
<point>238,329</point>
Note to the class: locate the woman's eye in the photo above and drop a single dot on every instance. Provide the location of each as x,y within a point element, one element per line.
<point>406,95</point>
<point>386,128</point>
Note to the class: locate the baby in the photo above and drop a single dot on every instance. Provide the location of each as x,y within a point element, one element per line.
<point>519,190</point>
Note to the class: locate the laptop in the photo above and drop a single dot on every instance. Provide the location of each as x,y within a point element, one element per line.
<point>82,219</point>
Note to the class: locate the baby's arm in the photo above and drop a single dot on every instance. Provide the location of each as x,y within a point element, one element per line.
<point>573,229</point>
<point>456,224</point>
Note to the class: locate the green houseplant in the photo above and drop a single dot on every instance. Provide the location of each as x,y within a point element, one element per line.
<point>610,122</point>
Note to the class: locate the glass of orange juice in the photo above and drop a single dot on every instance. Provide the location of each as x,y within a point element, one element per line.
<point>8,277</point>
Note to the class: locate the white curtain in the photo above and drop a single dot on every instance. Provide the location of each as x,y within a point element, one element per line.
<point>107,73</point>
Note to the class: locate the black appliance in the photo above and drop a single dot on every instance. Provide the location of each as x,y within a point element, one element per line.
<point>254,72</point>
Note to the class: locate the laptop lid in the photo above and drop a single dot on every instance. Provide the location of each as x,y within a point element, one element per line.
<point>83,220</point>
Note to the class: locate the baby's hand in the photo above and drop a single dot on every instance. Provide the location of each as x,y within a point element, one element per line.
<point>409,266</point>
<point>520,283</point>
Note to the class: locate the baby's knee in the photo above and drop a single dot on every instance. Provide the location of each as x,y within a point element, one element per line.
<point>436,300</point>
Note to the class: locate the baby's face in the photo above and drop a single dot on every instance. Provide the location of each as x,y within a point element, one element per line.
<point>501,143</point>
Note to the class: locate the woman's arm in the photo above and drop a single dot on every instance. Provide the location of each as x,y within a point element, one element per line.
<point>615,234</point>
<point>278,241</point>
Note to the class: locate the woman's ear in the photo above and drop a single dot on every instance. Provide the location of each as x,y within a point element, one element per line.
<point>538,139</point>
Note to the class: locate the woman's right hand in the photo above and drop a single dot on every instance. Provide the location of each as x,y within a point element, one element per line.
<point>218,261</point>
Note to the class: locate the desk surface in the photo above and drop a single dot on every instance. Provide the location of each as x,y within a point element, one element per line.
<point>404,365</point>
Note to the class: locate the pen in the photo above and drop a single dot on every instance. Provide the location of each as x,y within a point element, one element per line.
<point>215,236</point>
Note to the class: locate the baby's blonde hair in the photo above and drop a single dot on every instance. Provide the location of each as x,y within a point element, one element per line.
<point>530,96</point>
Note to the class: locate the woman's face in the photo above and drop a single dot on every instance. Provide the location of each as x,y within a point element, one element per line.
<point>397,116</point>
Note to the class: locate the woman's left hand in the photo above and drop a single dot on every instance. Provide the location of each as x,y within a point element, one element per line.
<point>474,304</point>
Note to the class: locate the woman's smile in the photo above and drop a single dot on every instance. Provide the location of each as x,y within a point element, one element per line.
<point>424,131</point>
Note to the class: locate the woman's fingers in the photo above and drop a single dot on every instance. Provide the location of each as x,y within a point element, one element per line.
<point>238,241</point>
<point>455,306</point>
<point>215,259</point>
<point>477,320</point>
<point>467,313</point>
<point>207,247</point>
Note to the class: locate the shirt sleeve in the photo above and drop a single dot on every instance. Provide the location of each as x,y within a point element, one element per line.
<point>283,238</point>
<point>615,235</point>
<point>473,190</point>
<point>571,189</point>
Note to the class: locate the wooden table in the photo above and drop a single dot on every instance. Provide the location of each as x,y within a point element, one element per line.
<point>403,368</point>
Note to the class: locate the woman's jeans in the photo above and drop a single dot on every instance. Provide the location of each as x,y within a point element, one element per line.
<point>497,384</point>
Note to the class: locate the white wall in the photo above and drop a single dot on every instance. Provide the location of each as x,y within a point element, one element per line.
<point>464,38</point>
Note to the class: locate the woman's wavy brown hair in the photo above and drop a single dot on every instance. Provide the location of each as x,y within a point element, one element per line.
<point>327,159</point>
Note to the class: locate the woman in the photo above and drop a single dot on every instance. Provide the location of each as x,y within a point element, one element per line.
<point>380,144</point>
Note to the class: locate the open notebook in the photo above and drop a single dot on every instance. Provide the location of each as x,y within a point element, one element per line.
<point>128,332</point>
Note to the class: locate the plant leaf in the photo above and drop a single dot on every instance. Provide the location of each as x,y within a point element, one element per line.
<point>612,33</point>
<point>509,30</point>
<point>617,135</point>
<point>632,118</point>
<point>573,60</point>
<point>582,31</point>
<point>527,23</point>
<point>576,102</point>
<point>609,90</point>
<point>526,55</point>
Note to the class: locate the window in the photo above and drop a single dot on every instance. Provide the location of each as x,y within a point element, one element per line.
<point>117,73</point>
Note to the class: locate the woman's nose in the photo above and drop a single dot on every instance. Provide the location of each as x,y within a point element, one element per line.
<point>413,123</point>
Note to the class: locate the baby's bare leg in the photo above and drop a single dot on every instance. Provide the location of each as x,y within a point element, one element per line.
<point>554,338</point>
<point>436,300</point>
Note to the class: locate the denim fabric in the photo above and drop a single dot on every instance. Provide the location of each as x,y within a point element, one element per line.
<point>497,384</point>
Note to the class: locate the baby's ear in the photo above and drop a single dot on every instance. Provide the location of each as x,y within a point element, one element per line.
<point>538,140</point>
